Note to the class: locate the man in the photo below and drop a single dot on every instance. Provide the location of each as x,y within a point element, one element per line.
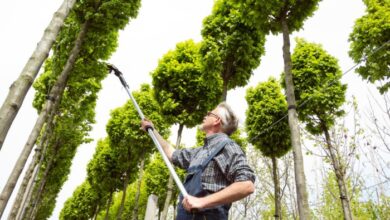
<point>226,177</point>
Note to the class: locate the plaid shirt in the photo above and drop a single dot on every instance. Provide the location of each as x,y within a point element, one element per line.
<point>227,167</point>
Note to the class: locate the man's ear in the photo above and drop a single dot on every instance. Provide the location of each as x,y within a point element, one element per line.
<point>219,120</point>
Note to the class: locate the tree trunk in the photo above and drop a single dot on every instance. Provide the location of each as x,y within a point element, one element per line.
<point>170,181</point>
<point>20,87</point>
<point>303,205</point>
<point>96,212</point>
<point>108,206</point>
<point>340,175</point>
<point>275,172</point>
<point>42,185</point>
<point>24,193</point>
<point>137,195</point>
<point>224,90</point>
<point>125,184</point>
<point>55,92</point>
<point>26,183</point>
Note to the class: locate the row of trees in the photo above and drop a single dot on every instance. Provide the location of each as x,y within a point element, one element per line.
<point>65,99</point>
<point>188,82</point>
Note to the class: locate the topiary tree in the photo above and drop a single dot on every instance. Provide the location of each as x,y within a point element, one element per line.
<point>266,106</point>
<point>82,204</point>
<point>286,16</point>
<point>185,91</point>
<point>129,142</point>
<point>317,83</point>
<point>230,46</point>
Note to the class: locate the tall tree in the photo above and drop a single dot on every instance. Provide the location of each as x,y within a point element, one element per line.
<point>81,205</point>
<point>51,104</point>
<point>266,105</point>
<point>317,76</point>
<point>131,143</point>
<point>230,46</point>
<point>370,42</point>
<point>285,17</point>
<point>185,91</point>
<point>90,20</point>
<point>20,87</point>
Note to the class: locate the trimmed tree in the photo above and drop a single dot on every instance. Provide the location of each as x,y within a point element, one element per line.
<point>266,105</point>
<point>230,46</point>
<point>317,83</point>
<point>285,17</point>
<point>130,143</point>
<point>185,91</point>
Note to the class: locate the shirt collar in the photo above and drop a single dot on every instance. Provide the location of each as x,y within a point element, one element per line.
<point>214,138</point>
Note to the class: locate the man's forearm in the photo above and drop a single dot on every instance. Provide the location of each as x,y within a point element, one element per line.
<point>168,149</point>
<point>232,193</point>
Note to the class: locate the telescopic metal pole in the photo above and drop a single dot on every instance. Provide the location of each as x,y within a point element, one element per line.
<point>150,130</point>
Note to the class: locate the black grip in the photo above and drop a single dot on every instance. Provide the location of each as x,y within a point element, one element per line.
<point>147,127</point>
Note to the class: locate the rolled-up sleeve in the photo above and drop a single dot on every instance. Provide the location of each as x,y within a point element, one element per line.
<point>235,165</point>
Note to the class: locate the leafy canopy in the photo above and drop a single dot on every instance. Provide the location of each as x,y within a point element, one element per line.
<point>230,46</point>
<point>270,14</point>
<point>266,105</point>
<point>316,77</point>
<point>184,90</point>
<point>370,39</point>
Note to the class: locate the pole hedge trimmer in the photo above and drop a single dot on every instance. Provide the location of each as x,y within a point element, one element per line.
<point>172,171</point>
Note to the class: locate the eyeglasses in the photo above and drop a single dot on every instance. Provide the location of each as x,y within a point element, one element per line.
<point>212,114</point>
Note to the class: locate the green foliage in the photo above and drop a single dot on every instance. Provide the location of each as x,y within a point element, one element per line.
<point>81,205</point>
<point>266,105</point>
<point>75,114</point>
<point>156,180</point>
<point>269,212</point>
<point>371,32</point>
<point>184,90</point>
<point>270,14</point>
<point>104,171</point>
<point>330,207</point>
<point>129,203</point>
<point>124,130</point>
<point>376,211</point>
<point>316,77</point>
<point>231,47</point>
<point>107,15</point>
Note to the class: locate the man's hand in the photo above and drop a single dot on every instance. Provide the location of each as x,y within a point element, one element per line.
<point>146,124</point>
<point>191,203</point>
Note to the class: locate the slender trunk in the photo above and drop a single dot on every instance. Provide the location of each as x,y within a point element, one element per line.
<point>224,90</point>
<point>23,189</point>
<point>25,193</point>
<point>170,180</point>
<point>137,195</point>
<point>106,217</point>
<point>96,212</point>
<point>42,185</point>
<point>340,176</point>
<point>125,184</point>
<point>302,197</point>
<point>275,172</point>
<point>55,92</point>
<point>20,87</point>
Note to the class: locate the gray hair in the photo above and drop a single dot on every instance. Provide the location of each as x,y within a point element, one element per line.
<point>228,118</point>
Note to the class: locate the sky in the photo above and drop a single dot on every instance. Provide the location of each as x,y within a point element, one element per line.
<point>160,25</point>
